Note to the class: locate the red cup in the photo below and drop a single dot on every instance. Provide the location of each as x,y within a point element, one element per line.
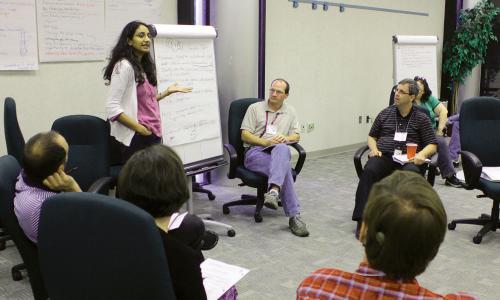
<point>411,150</point>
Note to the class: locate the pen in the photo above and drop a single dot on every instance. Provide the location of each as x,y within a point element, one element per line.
<point>71,170</point>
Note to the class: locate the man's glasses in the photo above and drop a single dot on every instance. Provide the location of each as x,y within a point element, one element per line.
<point>272,91</point>
<point>400,91</point>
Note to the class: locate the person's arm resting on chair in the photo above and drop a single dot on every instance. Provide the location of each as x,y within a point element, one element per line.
<point>372,144</point>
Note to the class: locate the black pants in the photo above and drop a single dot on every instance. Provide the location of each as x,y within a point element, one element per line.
<point>376,169</point>
<point>139,142</point>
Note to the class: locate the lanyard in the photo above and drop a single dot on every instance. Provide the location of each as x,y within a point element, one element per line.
<point>397,121</point>
<point>267,120</point>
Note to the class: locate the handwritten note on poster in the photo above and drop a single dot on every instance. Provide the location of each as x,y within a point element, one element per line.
<point>18,35</point>
<point>70,30</point>
<point>191,117</point>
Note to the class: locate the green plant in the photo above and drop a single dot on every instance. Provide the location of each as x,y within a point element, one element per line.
<point>467,48</point>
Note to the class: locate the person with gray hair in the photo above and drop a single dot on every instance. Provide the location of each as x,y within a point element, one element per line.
<point>393,128</point>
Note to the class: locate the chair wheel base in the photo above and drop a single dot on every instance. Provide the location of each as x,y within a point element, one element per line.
<point>231,233</point>
<point>477,239</point>
<point>452,226</point>
<point>258,218</point>
<point>211,197</point>
<point>225,210</point>
<point>16,275</point>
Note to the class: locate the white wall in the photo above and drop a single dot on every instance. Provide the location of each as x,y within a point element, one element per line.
<point>340,64</point>
<point>236,49</point>
<point>472,85</point>
<point>58,89</point>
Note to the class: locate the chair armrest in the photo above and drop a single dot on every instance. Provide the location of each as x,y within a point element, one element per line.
<point>301,159</point>
<point>233,160</point>
<point>472,167</point>
<point>431,171</point>
<point>357,160</point>
<point>101,186</point>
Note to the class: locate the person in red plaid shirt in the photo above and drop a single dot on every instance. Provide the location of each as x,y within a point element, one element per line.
<point>404,224</point>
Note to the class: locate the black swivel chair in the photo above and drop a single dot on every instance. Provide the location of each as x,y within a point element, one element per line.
<point>15,144</point>
<point>89,148</point>
<point>15,147</point>
<point>98,247</point>
<point>13,136</point>
<point>237,169</point>
<point>9,170</point>
<point>480,143</point>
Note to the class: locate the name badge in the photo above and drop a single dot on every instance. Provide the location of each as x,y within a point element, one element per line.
<point>398,152</point>
<point>271,129</point>
<point>400,136</point>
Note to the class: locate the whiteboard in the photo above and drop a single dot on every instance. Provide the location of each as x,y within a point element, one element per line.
<point>18,35</point>
<point>184,54</point>
<point>70,30</point>
<point>416,56</point>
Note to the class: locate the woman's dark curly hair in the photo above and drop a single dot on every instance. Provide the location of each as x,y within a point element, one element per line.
<point>123,50</point>
<point>427,90</point>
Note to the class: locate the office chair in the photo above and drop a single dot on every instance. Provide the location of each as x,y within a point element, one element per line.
<point>13,136</point>
<point>237,169</point>
<point>15,147</point>
<point>98,247</point>
<point>88,140</point>
<point>9,170</point>
<point>198,188</point>
<point>480,142</point>
<point>15,144</point>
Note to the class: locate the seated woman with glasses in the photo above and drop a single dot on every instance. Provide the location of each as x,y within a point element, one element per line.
<point>434,107</point>
<point>154,180</point>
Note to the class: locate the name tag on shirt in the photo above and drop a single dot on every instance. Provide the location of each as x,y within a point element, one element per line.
<point>271,129</point>
<point>400,136</point>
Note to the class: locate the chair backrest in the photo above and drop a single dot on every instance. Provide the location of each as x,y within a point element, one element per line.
<point>480,127</point>
<point>13,136</point>
<point>88,140</point>
<point>237,111</point>
<point>392,94</point>
<point>9,170</point>
<point>98,247</point>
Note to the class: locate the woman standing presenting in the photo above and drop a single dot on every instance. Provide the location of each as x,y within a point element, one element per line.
<point>132,103</point>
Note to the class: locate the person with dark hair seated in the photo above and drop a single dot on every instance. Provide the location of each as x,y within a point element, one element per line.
<point>154,180</point>
<point>426,100</point>
<point>42,176</point>
<point>393,128</point>
<point>404,223</point>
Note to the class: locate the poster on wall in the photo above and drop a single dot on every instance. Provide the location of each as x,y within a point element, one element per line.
<point>70,30</point>
<point>18,35</point>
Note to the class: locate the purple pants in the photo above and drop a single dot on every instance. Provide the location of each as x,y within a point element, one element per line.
<point>455,137</point>
<point>275,164</point>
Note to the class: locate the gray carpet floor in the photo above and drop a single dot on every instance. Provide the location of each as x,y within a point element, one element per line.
<point>278,260</point>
